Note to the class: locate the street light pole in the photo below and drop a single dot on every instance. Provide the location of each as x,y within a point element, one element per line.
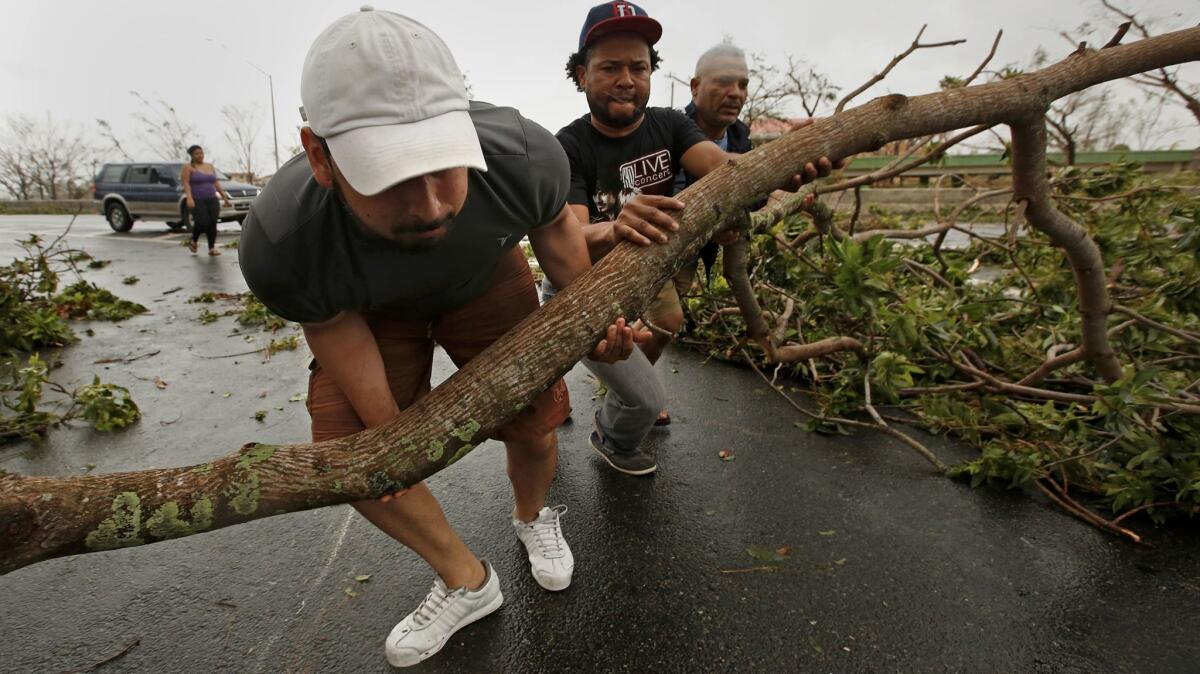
<point>271,85</point>
<point>274,131</point>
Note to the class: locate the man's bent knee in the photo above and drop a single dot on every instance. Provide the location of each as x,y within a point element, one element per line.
<point>527,449</point>
<point>671,321</point>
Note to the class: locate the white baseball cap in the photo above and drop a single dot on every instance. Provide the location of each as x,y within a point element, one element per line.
<point>388,98</point>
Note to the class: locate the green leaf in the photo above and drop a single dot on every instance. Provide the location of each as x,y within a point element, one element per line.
<point>765,554</point>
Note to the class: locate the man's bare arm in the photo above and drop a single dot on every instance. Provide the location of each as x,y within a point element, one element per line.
<point>642,221</point>
<point>563,256</point>
<point>346,349</point>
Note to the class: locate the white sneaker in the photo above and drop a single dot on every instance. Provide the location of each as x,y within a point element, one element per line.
<point>550,557</point>
<point>443,612</point>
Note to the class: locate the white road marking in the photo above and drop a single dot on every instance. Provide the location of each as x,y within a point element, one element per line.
<point>312,587</point>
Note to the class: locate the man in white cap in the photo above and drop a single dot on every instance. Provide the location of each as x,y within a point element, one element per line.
<point>400,227</point>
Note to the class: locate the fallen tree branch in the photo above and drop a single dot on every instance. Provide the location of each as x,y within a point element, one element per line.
<point>1031,187</point>
<point>1147,321</point>
<point>45,517</point>
<point>1059,496</point>
<point>1122,196</point>
<point>876,79</point>
<point>900,166</point>
<point>928,271</point>
<point>734,264</point>
<point>1062,360</point>
<point>885,429</point>
<point>790,353</point>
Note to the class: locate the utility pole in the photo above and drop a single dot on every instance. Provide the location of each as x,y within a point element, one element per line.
<point>673,79</point>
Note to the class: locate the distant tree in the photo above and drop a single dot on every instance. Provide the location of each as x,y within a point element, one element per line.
<point>1143,120</point>
<point>111,142</point>
<point>776,90</point>
<point>1085,122</point>
<point>42,157</point>
<point>16,156</point>
<point>163,134</point>
<point>1162,80</point>
<point>59,156</point>
<point>241,131</point>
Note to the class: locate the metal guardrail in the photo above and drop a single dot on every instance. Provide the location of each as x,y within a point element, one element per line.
<point>1154,161</point>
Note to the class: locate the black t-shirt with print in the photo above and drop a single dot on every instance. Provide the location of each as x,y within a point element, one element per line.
<point>606,172</point>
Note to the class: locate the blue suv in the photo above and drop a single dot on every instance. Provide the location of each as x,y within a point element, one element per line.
<point>152,191</point>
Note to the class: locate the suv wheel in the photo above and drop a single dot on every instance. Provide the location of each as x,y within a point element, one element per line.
<point>185,219</point>
<point>118,217</point>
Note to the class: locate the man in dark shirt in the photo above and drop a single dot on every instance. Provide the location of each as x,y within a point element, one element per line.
<point>624,159</point>
<point>720,87</point>
<point>398,228</point>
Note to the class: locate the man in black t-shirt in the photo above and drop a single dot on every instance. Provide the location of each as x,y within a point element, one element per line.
<point>624,158</point>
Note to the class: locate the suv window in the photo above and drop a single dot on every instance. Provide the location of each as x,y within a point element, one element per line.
<point>161,175</point>
<point>111,174</point>
<point>139,175</point>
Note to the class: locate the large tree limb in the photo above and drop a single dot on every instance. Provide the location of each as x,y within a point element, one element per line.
<point>45,517</point>
<point>1031,186</point>
<point>734,264</point>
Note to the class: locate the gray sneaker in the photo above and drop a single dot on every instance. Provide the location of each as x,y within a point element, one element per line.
<point>636,462</point>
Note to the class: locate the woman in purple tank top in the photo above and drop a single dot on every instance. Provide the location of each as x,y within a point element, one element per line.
<point>201,186</point>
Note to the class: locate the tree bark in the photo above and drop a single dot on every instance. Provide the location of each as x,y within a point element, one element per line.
<point>45,517</point>
<point>1031,186</point>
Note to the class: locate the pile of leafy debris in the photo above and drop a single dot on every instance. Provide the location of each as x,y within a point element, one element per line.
<point>926,322</point>
<point>35,315</point>
<point>250,312</point>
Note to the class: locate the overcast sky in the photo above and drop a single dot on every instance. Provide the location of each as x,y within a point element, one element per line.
<point>79,59</point>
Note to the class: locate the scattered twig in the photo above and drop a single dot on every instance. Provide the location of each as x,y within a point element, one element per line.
<point>661,332</point>
<point>1050,365</point>
<point>1085,455</point>
<point>948,388</point>
<point>1056,361</point>
<point>752,569</point>
<point>787,245</point>
<point>1123,195</point>
<point>857,208</point>
<point>126,361</point>
<point>105,660</point>
<point>229,355</point>
<point>1059,496</point>
<point>66,231</point>
<point>1146,506</point>
<point>929,271</point>
<point>1145,320</point>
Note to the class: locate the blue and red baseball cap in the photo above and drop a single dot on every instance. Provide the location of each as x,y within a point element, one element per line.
<point>616,17</point>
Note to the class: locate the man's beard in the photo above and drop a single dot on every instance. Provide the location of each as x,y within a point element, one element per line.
<point>600,112</point>
<point>399,231</point>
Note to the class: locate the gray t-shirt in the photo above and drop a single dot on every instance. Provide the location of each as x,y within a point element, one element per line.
<point>306,259</point>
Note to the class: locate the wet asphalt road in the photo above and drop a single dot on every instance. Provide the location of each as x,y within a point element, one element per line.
<point>889,569</point>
